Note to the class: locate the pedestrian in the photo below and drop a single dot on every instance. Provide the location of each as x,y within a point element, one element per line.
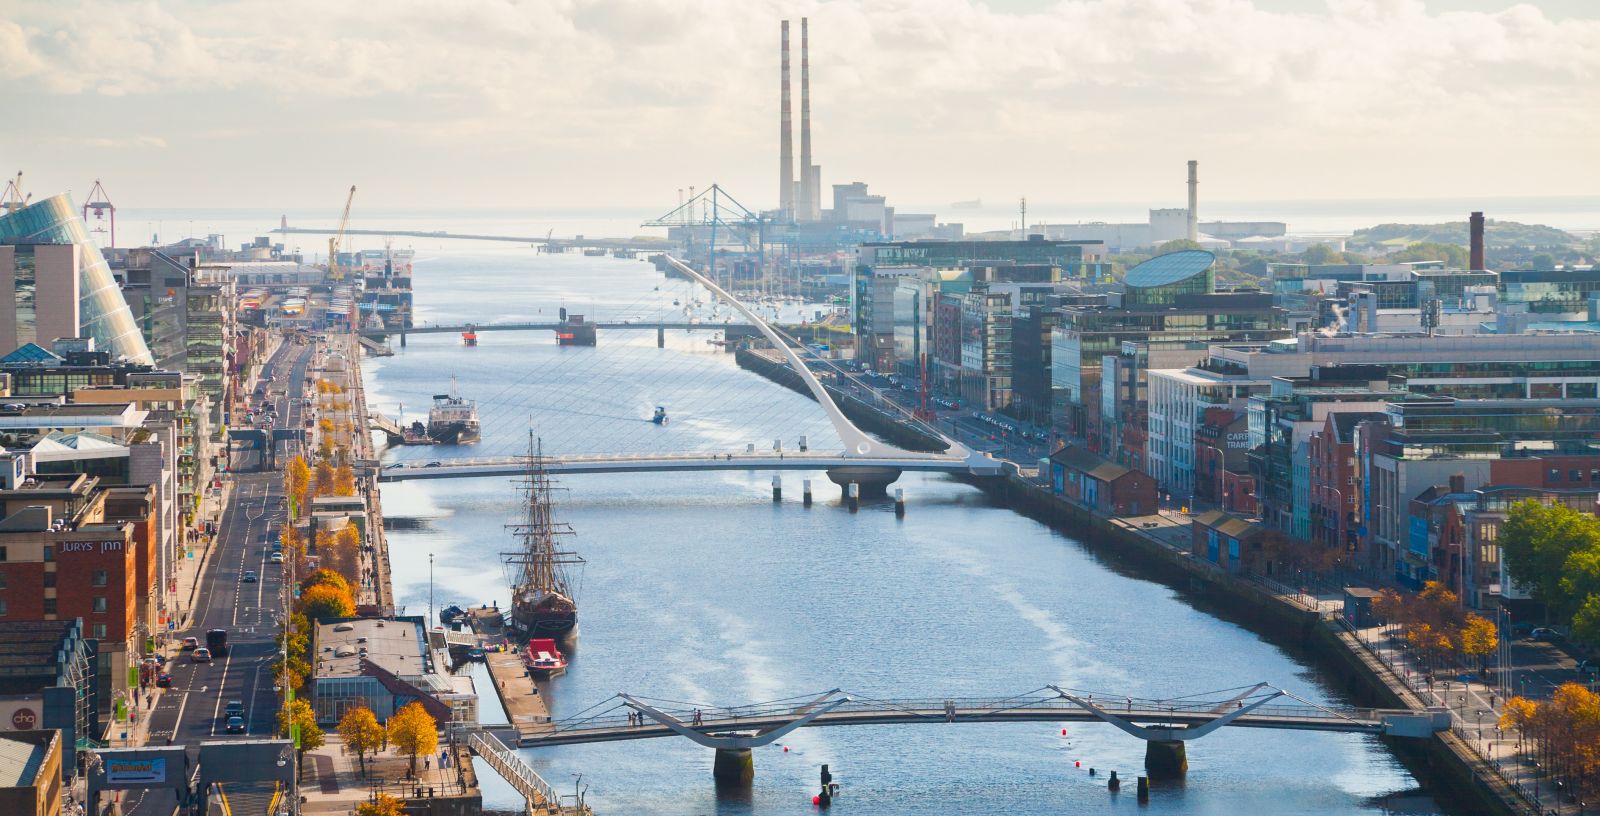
<point>427,762</point>
<point>1130,703</point>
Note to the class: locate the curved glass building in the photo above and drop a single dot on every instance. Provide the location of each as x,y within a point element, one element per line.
<point>102,312</point>
<point>1162,279</point>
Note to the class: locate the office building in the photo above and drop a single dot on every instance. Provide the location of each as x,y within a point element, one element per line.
<point>47,259</point>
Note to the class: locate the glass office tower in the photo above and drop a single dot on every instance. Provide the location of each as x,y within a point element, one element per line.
<point>102,312</point>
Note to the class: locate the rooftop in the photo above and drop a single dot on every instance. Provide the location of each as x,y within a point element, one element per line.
<point>394,644</point>
<point>1170,268</point>
<point>20,761</point>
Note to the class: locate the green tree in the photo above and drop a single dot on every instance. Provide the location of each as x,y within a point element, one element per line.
<point>1177,245</point>
<point>361,733</point>
<point>1321,254</point>
<point>299,713</point>
<point>414,732</point>
<point>1538,542</point>
<point>1544,260</point>
<point>1586,623</point>
<point>1452,254</point>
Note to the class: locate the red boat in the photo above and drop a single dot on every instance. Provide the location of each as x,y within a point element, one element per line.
<point>543,659</point>
<point>470,336</point>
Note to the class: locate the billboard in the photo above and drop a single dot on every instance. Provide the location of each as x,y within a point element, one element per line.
<point>124,771</point>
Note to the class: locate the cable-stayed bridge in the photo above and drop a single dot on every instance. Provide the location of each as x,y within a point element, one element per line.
<point>847,453</point>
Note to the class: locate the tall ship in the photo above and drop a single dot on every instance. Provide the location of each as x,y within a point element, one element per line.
<point>453,419</point>
<point>542,604</point>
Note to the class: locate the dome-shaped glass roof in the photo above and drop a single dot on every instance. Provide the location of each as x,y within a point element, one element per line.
<point>1170,268</point>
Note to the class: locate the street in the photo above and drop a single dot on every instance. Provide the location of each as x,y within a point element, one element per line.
<point>194,708</point>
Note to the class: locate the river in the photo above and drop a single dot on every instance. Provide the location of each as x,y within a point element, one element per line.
<point>699,588</point>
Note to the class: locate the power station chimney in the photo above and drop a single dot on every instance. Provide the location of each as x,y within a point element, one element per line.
<point>807,210</point>
<point>786,141</point>
<point>1194,200</point>
<point>1475,226</point>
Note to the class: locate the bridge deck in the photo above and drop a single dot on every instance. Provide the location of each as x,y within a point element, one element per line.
<point>665,462</point>
<point>923,712</point>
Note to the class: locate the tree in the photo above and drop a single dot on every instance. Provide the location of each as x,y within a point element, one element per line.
<point>1178,245</point>
<point>326,576</point>
<point>296,479</point>
<point>361,733</point>
<point>323,602</point>
<point>1453,255</point>
<point>1321,254</point>
<point>1539,542</point>
<point>382,805</point>
<point>1478,639</point>
<point>344,555</point>
<point>1544,261</point>
<point>299,713</point>
<point>325,475</point>
<point>1586,623</point>
<point>414,732</point>
<point>344,481</point>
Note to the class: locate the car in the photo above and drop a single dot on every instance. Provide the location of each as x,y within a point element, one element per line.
<point>277,557</point>
<point>155,659</point>
<point>236,725</point>
<point>249,577</point>
<point>1544,633</point>
<point>191,643</point>
<point>432,464</point>
<point>201,655</point>
<point>235,708</point>
<point>163,680</point>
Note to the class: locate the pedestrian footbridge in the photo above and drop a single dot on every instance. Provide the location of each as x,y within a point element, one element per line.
<point>1164,724</point>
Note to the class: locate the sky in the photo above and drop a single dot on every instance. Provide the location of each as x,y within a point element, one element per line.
<point>620,103</point>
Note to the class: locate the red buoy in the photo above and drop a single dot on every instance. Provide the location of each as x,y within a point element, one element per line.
<point>1077,764</point>
<point>1063,732</point>
<point>816,801</point>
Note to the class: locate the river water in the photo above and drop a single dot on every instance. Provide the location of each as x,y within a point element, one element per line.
<point>699,588</point>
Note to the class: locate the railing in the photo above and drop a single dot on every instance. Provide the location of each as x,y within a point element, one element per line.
<point>521,776</point>
<point>934,710</point>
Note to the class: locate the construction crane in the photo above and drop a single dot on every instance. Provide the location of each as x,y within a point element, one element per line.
<point>100,202</point>
<point>334,271</point>
<point>12,199</point>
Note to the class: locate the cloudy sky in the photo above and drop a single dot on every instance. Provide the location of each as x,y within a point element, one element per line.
<point>586,103</point>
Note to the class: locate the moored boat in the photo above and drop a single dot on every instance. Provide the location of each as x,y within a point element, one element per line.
<point>453,419</point>
<point>542,605</point>
<point>544,659</point>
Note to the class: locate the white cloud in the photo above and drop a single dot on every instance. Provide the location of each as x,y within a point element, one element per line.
<point>1090,95</point>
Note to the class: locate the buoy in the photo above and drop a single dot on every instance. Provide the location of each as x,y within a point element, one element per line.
<point>816,800</point>
<point>786,749</point>
<point>1063,732</point>
<point>1077,764</point>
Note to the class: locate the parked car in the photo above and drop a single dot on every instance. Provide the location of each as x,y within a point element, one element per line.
<point>1544,633</point>
<point>163,680</point>
<point>201,655</point>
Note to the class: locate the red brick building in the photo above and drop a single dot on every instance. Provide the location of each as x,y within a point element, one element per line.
<point>1221,440</point>
<point>1105,487</point>
<point>1335,486</point>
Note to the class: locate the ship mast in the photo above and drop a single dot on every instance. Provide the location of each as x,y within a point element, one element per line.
<point>540,564</point>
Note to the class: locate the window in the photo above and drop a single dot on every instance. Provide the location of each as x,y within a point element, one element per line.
<point>1555,475</point>
<point>101,578</point>
<point>99,603</point>
<point>2,553</point>
<point>49,606</point>
<point>2,607</point>
<point>1574,475</point>
<point>99,630</point>
<point>49,579</point>
<point>2,580</point>
<point>49,552</point>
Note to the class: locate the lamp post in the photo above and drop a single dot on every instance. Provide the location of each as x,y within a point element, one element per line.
<point>430,591</point>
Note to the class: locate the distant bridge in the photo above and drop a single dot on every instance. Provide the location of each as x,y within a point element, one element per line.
<point>976,464</point>
<point>641,243</point>
<point>741,329</point>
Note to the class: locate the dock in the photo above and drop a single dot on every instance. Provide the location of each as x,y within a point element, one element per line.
<point>520,696</point>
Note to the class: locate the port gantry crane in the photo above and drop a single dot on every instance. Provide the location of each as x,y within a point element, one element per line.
<point>334,271</point>
<point>13,199</point>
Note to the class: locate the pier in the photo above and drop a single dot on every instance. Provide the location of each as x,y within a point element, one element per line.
<point>525,706</point>
<point>635,244</point>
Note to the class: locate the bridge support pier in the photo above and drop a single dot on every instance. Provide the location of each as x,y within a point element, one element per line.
<point>734,768</point>
<point>661,337</point>
<point>402,339</point>
<point>1165,758</point>
<point>873,481</point>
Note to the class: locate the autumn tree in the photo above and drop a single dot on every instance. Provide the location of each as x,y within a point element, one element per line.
<point>361,733</point>
<point>323,602</point>
<point>299,714</point>
<point>326,576</point>
<point>296,481</point>
<point>381,805</point>
<point>345,554</point>
<point>414,732</point>
<point>1478,638</point>
<point>324,477</point>
<point>344,481</point>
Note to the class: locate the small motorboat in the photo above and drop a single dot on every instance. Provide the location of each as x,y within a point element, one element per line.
<point>660,417</point>
<point>475,653</point>
<point>451,614</point>
<point>543,659</point>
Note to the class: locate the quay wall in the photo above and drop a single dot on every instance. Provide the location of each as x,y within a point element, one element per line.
<point>1453,773</point>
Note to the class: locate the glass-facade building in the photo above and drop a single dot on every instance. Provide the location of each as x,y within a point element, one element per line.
<point>102,312</point>
<point>1545,291</point>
